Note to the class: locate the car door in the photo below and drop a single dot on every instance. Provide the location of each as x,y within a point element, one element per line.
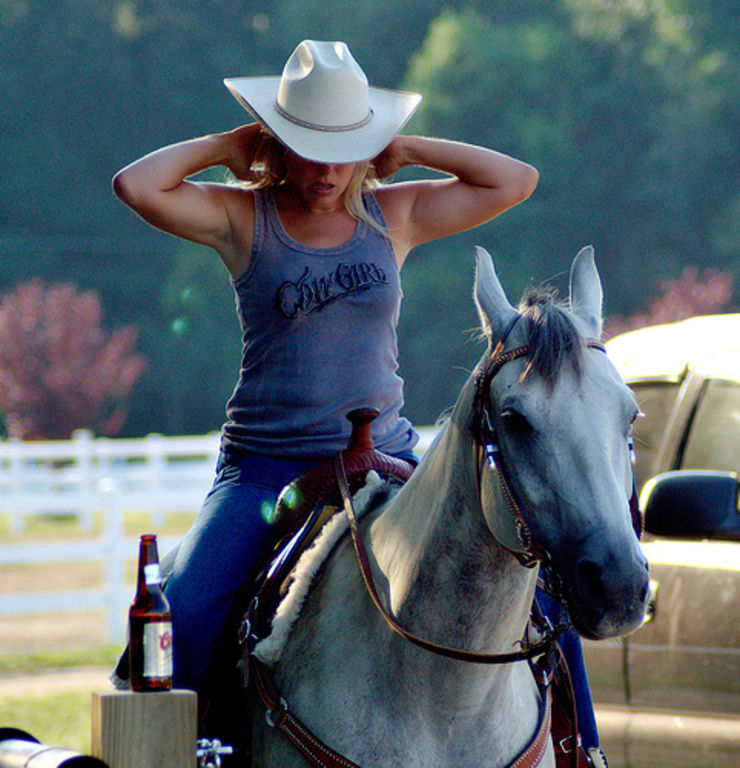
<point>688,656</point>
<point>674,685</point>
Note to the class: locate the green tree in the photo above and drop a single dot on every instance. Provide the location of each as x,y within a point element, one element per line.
<point>604,99</point>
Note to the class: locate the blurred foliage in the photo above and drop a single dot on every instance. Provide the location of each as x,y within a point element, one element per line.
<point>59,370</point>
<point>628,108</point>
<point>622,109</point>
<point>687,295</point>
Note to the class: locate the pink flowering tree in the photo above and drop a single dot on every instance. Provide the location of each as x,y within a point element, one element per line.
<point>59,370</point>
<point>685,296</point>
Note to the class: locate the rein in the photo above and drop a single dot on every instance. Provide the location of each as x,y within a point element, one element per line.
<point>528,652</point>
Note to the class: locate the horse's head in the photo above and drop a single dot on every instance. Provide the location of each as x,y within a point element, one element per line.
<point>554,418</point>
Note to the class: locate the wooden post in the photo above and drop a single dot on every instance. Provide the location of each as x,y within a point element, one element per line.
<point>145,730</point>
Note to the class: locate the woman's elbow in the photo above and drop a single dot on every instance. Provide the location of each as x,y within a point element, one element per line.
<point>529,179</point>
<point>121,186</point>
<point>127,190</point>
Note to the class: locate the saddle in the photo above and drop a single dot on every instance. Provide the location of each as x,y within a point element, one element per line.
<point>303,508</point>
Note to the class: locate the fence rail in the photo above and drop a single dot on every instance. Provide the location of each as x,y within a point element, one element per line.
<point>87,475</point>
<point>97,478</point>
<point>100,479</point>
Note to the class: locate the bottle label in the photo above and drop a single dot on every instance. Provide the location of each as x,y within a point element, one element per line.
<point>158,649</point>
<point>153,573</point>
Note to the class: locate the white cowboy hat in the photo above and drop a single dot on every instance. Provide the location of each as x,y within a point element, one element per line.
<point>322,106</point>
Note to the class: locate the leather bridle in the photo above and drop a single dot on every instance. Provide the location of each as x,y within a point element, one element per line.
<point>531,552</point>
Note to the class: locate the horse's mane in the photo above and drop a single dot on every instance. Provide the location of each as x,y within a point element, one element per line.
<point>553,338</point>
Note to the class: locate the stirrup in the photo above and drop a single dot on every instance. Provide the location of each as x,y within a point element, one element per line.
<point>597,758</point>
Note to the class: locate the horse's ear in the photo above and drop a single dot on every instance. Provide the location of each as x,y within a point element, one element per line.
<point>494,309</point>
<point>585,291</point>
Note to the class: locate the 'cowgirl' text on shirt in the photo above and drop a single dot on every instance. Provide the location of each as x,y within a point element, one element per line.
<point>310,294</point>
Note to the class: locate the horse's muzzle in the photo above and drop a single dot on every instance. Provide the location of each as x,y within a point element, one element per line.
<point>608,599</point>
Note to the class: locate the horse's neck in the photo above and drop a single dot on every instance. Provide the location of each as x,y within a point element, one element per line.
<point>448,579</point>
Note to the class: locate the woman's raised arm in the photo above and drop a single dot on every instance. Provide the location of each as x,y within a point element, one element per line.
<point>481,184</point>
<point>157,186</point>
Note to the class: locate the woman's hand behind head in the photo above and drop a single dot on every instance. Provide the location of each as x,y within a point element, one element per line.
<point>391,159</point>
<point>246,142</point>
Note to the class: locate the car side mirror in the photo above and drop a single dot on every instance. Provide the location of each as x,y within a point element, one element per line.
<point>697,504</point>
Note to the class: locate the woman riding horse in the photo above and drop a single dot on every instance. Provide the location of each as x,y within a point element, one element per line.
<point>313,249</point>
<point>313,246</point>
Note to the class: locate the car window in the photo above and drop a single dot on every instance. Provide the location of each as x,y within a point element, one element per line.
<point>656,400</point>
<point>715,430</point>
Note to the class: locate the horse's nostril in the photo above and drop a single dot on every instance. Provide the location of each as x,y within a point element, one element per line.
<point>607,596</point>
<point>589,582</point>
<point>645,591</point>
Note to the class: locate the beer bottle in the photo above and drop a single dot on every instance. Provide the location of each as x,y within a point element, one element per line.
<point>150,624</point>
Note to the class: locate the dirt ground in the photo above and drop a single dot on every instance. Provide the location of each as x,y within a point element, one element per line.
<point>44,633</point>
<point>53,631</point>
<point>55,681</point>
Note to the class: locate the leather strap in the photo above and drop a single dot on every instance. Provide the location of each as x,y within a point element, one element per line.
<point>531,552</point>
<point>534,753</point>
<point>278,716</point>
<point>322,756</point>
<point>529,652</point>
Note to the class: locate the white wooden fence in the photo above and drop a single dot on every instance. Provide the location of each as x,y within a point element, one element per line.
<point>96,478</point>
<point>100,479</point>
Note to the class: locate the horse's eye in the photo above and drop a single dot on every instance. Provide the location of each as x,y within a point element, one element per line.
<point>515,421</point>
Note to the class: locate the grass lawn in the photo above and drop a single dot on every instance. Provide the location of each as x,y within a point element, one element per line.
<point>57,720</point>
<point>43,661</point>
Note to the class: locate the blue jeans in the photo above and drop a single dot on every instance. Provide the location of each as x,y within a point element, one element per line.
<point>570,644</point>
<point>219,554</point>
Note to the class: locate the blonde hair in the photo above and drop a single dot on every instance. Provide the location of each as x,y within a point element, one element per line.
<point>269,170</point>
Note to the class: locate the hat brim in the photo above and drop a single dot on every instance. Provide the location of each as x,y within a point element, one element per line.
<point>391,110</point>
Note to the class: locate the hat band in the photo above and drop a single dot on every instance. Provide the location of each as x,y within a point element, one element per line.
<point>319,127</point>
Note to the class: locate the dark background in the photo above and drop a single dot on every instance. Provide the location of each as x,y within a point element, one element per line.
<point>628,109</point>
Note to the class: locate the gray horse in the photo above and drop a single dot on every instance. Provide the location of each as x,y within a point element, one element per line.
<point>533,466</point>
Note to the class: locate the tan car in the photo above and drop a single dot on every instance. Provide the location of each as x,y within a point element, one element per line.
<point>669,695</point>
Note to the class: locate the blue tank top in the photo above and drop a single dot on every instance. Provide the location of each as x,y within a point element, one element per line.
<point>318,340</point>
